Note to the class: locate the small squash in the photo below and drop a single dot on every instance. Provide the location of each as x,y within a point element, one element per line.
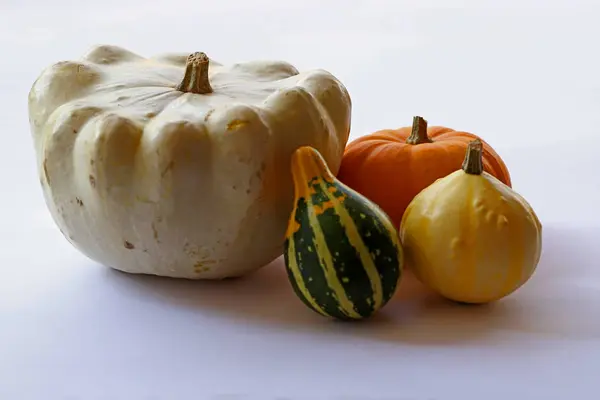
<point>470,237</point>
<point>391,166</point>
<point>342,253</point>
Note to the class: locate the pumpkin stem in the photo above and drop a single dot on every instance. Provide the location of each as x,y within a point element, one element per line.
<point>419,132</point>
<point>473,163</point>
<point>195,79</point>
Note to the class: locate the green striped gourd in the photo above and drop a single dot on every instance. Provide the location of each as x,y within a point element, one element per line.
<point>342,253</point>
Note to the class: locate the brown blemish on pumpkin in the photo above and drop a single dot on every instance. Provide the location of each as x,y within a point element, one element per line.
<point>191,250</point>
<point>208,114</point>
<point>236,124</point>
<point>155,232</point>
<point>45,166</point>
<point>168,168</point>
<point>203,266</point>
<point>61,211</point>
<point>92,181</point>
<point>92,161</point>
<point>79,201</point>
<point>128,245</point>
<point>259,173</point>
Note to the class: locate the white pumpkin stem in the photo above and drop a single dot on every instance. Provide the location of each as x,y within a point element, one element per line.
<point>419,132</point>
<point>473,163</point>
<point>195,79</point>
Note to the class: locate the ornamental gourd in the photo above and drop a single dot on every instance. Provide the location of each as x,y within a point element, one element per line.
<point>177,165</point>
<point>470,237</point>
<point>391,166</point>
<point>342,253</point>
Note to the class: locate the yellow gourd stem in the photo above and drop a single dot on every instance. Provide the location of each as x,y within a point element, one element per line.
<point>418,134</point>
<point>195,79</point>
<point>473,162</point>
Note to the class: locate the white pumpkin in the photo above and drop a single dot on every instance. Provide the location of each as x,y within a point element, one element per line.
<point>174,167</point>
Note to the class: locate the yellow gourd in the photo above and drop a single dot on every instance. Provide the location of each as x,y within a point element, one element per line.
<point>469,237</point>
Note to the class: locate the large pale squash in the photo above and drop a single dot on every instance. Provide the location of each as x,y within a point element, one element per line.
<point>173,166</point>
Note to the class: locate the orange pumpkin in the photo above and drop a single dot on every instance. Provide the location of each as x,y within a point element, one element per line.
<point>391,166</point>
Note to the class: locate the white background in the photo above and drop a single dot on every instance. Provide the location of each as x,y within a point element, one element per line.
<point>522,74</point>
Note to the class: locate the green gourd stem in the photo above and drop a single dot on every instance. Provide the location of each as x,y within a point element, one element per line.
<point>473,162</point>
<point>195,79</point>
<point>418,134</point>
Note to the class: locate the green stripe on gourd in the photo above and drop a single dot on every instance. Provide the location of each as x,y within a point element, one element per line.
<point>342,253</point>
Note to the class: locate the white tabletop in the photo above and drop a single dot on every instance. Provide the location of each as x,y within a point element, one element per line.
<point>522,74</point>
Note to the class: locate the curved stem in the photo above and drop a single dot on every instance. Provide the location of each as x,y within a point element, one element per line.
<point>419,132</point>
<point>473,163</point>
<point>195,80</point>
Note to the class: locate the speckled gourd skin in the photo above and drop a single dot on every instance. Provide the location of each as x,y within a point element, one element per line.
<point>343,255</point>
<point>145,175</point>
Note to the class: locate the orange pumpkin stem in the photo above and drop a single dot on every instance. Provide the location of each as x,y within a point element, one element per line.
<point>418,135</point>
<point>473,163</point>
<point>195,80</point>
